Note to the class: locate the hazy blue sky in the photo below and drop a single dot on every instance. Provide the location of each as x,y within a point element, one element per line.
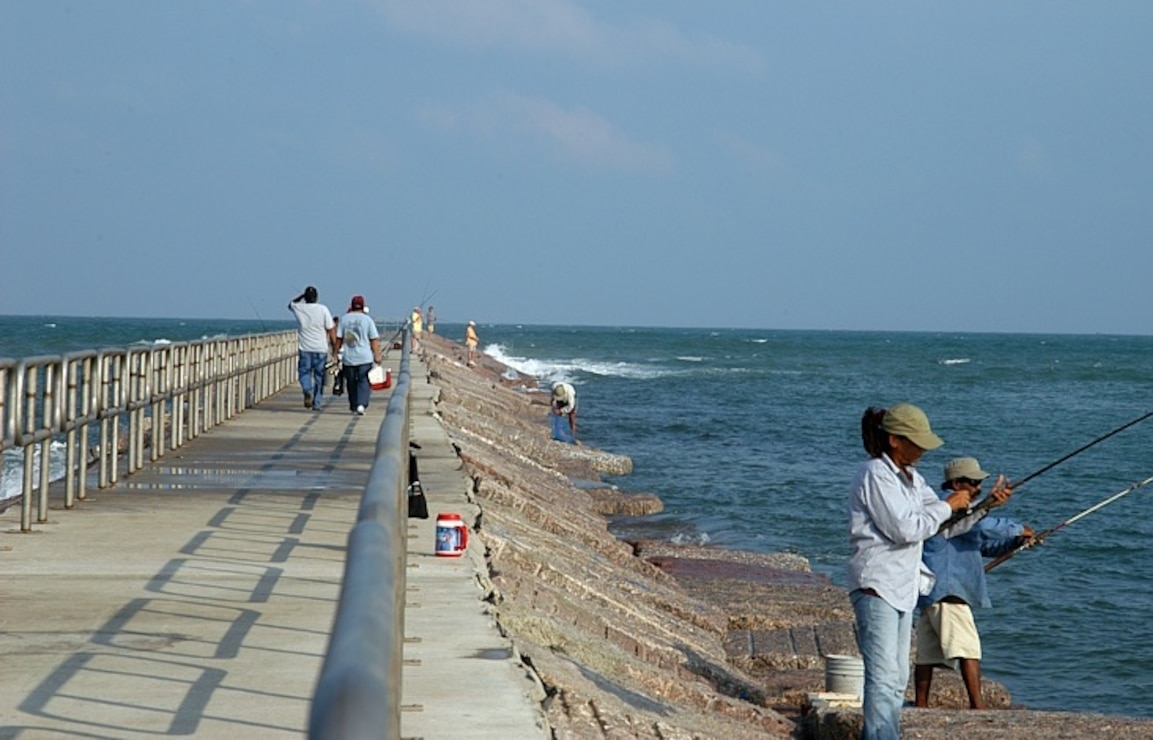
<point>978,166</point>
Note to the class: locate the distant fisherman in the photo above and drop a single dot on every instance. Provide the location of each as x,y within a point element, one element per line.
<point>417,327</point>
<point>316,336</point>
<point>472,341</point>
<point>564,408</point>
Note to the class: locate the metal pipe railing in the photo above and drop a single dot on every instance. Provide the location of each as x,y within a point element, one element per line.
<point>162,396</point>
<point>358,693</point>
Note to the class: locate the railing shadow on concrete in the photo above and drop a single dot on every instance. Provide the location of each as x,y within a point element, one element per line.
<point>110,406</point>
<point>157,397</point>
<point>358,693</point>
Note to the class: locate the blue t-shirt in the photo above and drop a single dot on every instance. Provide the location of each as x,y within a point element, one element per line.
<point>356,330</point>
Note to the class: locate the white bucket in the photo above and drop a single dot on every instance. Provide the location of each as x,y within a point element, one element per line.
<point>845,674</point>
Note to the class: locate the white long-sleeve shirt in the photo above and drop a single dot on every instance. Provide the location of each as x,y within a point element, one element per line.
<point>890,516</point>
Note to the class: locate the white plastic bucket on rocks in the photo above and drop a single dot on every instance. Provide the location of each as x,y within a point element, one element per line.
<point>845,674</point>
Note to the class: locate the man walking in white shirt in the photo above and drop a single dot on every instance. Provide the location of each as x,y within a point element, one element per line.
<point>316,336</point>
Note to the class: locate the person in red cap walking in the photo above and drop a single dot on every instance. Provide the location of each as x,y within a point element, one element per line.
<point>360,340</point>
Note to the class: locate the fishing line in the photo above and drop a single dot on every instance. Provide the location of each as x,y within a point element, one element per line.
<point>987,502</point>
<point>1038,539</point>
<point>262,326</point>
<point>427,297</point>
<point>407,321</point>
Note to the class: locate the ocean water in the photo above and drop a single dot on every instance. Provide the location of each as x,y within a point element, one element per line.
<point>751,439</point>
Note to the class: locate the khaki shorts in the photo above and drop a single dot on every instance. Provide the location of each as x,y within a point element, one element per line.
<point>946,632</point>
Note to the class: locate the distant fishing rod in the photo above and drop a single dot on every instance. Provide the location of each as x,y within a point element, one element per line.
<point>392,340</point>
<point>406,322</point>
<point>427,297</point>
<point>987,502</point>
<point>262,326</point>
<point>1038,539</point>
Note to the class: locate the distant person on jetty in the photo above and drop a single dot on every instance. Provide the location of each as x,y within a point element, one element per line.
<point>563,415</point>
<point>417,321</point>
<point>315,337</point>
<point>946,632</point>
<point>430,320</point>
<point>892,511</point>
<point>471,340</point>
<point>360,341</point>
<point>338,365</point>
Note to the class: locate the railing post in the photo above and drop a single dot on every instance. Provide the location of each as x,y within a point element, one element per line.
<point>28,423</point>
<point>49,421</point>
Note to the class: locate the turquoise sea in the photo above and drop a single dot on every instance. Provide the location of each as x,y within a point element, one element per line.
<point>751,439</point>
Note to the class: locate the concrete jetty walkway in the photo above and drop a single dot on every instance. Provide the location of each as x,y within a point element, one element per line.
<point>196,597</point>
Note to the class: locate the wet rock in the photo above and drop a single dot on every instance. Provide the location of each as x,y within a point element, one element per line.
<point>609,502</point>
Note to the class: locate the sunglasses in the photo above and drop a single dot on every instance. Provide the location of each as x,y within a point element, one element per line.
<point>970,481</point>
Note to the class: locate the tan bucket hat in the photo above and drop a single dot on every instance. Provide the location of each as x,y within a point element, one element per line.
<point>964,467</point>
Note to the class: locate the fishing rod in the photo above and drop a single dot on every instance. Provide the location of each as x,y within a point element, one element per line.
<point>392,340</point>
<point>262,326</point>
<point>1038,539</point>
<point>407,322</point>
<point>987,502</point>
<point>427,297</point>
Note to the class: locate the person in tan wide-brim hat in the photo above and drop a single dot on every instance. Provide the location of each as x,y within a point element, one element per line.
<point>892,511</point>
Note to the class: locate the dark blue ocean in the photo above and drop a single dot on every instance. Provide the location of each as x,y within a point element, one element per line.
<point>751,439</point>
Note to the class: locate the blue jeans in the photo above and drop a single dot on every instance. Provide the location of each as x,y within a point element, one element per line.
<point>310,367</point>
<point>883,635</point>
<point>356,385</point>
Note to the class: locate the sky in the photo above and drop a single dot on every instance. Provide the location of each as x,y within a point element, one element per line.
<point>979,166</point>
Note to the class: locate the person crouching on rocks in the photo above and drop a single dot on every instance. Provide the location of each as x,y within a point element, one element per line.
<point>564,409</point>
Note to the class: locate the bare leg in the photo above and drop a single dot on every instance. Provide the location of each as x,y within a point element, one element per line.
<point>923,681</point>
<point>971,675</point>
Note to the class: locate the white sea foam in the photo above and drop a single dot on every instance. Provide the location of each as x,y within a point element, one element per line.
<point>955,361</point>
<point>698,538</point>
<point>12,470</point>
<point>691,358</point>
<point>569,370</point>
